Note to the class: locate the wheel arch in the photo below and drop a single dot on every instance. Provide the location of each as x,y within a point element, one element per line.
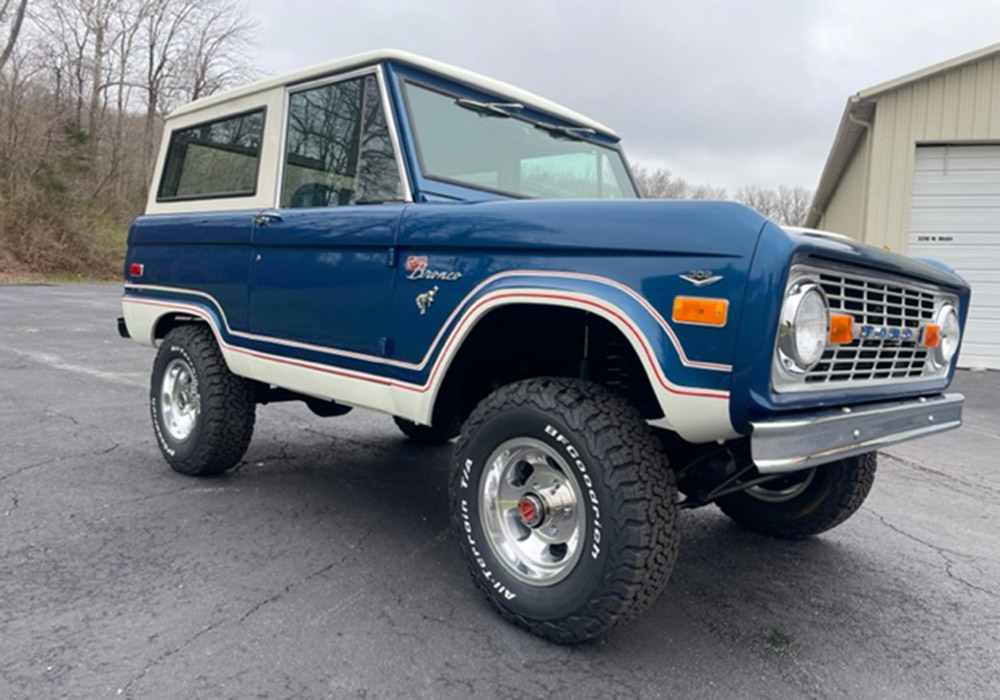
<point>555,340</point>
<point>149,321</point>
<point>698,415</point>
<point>171,320</point>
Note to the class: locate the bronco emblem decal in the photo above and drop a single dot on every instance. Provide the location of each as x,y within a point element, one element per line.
<point>416,268</point>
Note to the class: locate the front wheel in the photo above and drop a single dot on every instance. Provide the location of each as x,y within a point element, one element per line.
<point>202,413</point>
<point>564,507</point>
<point>804,503</point>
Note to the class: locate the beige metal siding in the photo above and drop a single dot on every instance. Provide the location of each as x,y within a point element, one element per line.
<point>845,211</point>
<point>959,106</point>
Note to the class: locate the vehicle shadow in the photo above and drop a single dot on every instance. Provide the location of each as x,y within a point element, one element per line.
<point>752,591</point>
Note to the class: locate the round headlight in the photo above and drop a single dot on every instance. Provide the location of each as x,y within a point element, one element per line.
<point>804,327</point>
<point>950,333</point>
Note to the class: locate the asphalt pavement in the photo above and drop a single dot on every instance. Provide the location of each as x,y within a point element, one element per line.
<point>324,565</point>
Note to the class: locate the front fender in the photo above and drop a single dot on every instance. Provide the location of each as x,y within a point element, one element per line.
<point>697,408</point>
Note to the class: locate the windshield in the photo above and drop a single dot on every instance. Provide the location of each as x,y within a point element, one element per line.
<point>486,146</point>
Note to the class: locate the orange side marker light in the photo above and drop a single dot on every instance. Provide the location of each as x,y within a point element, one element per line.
<point>932,335</point>
<point>841,328</point>
<point>703,312</point>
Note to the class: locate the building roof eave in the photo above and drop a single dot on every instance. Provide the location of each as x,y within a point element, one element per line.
<point>849,134</point>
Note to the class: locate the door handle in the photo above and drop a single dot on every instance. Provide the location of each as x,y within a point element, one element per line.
<point>263,218</point>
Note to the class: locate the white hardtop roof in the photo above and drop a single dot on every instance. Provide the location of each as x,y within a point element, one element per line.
<point>430,65</point>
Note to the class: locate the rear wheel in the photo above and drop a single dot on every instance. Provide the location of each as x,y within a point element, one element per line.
<point>564,507</point>
<point>203,414</point>
<point>804,503</point>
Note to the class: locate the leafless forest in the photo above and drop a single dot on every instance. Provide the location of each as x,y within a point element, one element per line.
<point>84,86</point>
<point>785,205</point>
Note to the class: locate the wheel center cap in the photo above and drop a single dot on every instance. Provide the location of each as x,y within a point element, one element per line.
<point>532,510</point>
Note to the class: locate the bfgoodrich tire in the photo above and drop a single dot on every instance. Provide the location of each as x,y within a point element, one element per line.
<point>804,503</point>
<point>203,414</point>
<point>564,507</point>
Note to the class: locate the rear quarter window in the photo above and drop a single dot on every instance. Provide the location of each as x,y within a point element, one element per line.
<point>218,158</point>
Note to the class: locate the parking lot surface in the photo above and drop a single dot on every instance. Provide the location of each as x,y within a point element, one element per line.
<point>324,566</point>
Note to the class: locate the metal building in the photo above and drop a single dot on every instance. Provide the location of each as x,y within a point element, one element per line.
<point>915,166</point>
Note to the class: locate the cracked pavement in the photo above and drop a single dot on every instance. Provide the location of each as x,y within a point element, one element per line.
<point>324,565</point>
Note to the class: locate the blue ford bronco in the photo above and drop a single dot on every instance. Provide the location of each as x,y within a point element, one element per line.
<point>394,233</point>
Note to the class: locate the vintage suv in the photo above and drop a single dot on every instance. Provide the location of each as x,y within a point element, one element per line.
<point>390,232</point>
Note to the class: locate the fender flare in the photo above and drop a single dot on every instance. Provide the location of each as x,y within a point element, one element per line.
<point>696,413</point>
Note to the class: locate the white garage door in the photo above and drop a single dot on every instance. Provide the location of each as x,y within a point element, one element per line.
<point>955,218</point>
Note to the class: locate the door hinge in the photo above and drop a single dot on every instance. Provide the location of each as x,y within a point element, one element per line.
<point>384,347</point>
<point>391,258</point>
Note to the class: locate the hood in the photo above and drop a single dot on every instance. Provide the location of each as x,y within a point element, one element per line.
<point>839,248</point>
<point>670,227</point>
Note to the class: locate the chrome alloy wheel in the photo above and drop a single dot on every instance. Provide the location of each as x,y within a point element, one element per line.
<point>532,511</point>
<point>180,403</point>
<point>783,489</point>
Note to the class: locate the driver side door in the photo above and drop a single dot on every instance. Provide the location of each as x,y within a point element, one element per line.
<point>321,263</point>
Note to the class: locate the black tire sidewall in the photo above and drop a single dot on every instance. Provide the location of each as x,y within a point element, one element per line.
<point>561,599</point>
<point>178,452</point>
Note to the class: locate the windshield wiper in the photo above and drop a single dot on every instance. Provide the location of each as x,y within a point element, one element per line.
<point>575,133</point>
<point>505,110</point>
<point>490,109</point>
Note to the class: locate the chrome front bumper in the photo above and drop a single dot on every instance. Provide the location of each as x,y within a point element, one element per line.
<point>790,444</point>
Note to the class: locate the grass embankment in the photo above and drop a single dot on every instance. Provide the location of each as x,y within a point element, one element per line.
<point>83,244</point>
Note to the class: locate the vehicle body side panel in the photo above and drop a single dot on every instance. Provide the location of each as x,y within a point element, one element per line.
<point>585,254</point>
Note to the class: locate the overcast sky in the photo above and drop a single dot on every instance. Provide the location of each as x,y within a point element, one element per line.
<point>724,93</point>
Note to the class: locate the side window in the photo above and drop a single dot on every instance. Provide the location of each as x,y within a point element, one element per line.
<point>338,150</point>
<point>214,159</point>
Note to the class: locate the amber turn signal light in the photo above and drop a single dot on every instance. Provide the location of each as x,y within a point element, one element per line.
<point>704,312</point>
<point>841,328</point>
<point>932,335</point>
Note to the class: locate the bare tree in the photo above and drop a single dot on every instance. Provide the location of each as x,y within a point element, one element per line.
<point>217,44</point>
<point>659,183</point>
<point>163,28</point>
<point>783,204</point>
<point>15,27</point>
<point>662,184</point>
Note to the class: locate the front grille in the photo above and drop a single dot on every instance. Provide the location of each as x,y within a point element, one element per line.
<point>877,303</point>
